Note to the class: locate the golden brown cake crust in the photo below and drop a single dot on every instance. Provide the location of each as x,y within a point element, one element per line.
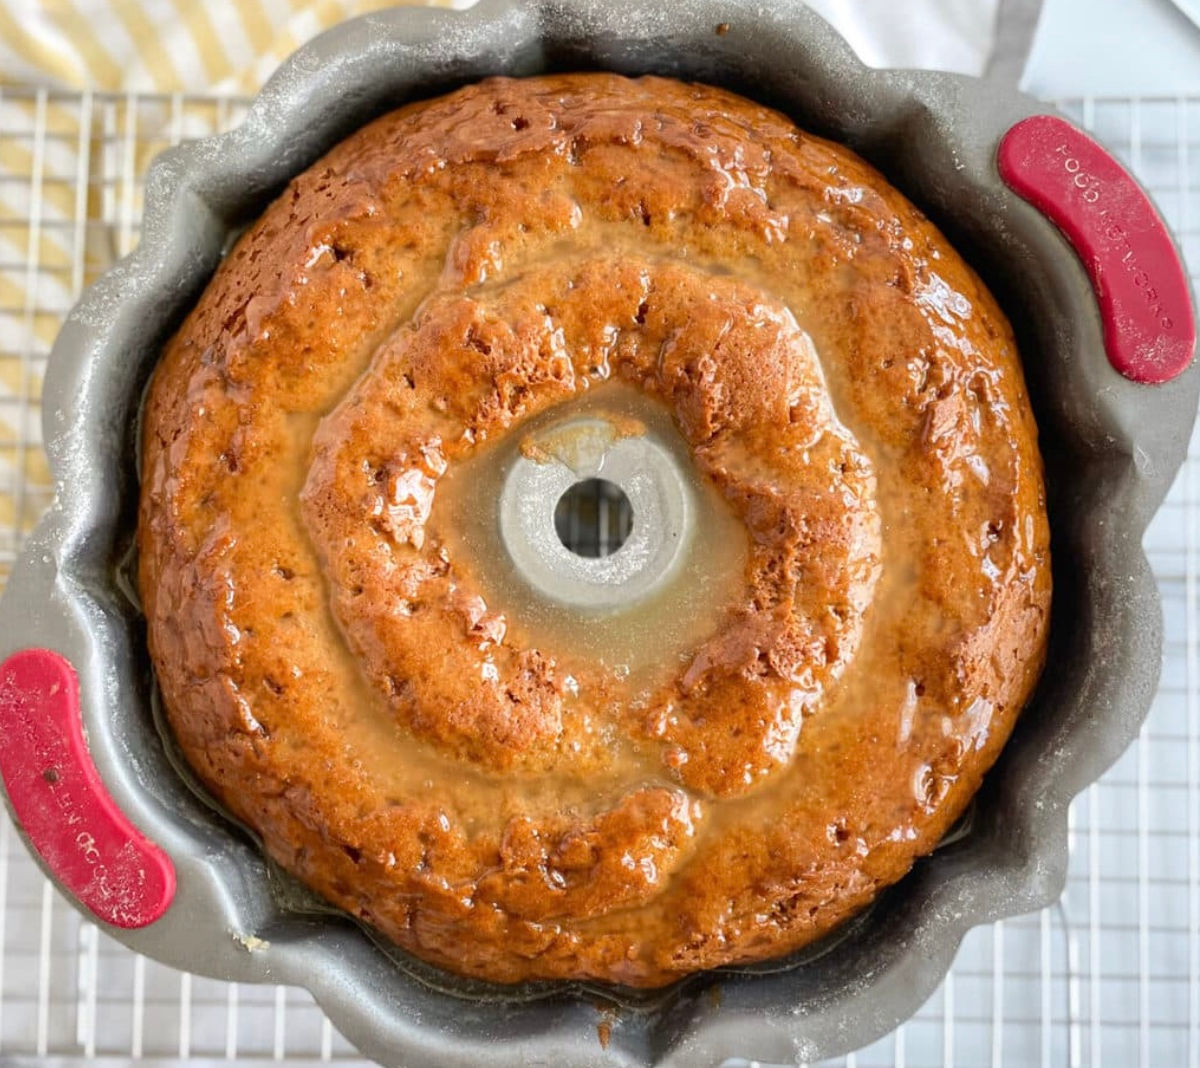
<point>345,677</point>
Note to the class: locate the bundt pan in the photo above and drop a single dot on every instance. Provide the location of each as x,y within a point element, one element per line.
<point>1107,337</point>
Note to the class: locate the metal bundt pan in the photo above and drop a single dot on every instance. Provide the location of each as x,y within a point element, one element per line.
<point>1111,446</point>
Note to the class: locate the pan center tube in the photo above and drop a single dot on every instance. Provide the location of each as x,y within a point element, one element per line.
<point>567,458</point>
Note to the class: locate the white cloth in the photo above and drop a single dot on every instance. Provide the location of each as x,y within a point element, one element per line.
<point>1114,48</point>
<point>1082,47</point>
<point>953,35</point>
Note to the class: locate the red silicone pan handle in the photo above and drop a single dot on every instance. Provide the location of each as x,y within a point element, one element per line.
<point>60,801</point>
<point>1149,326</point>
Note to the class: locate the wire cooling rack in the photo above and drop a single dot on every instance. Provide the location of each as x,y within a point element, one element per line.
<point>1108,976</point>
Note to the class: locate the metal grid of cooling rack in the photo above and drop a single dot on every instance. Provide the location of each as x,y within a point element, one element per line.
<point>1108,976</point>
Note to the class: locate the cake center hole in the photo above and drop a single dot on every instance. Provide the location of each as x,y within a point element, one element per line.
<point>593,518</point>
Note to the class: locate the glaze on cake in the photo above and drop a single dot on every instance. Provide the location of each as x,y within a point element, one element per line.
<point>405,732</point>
